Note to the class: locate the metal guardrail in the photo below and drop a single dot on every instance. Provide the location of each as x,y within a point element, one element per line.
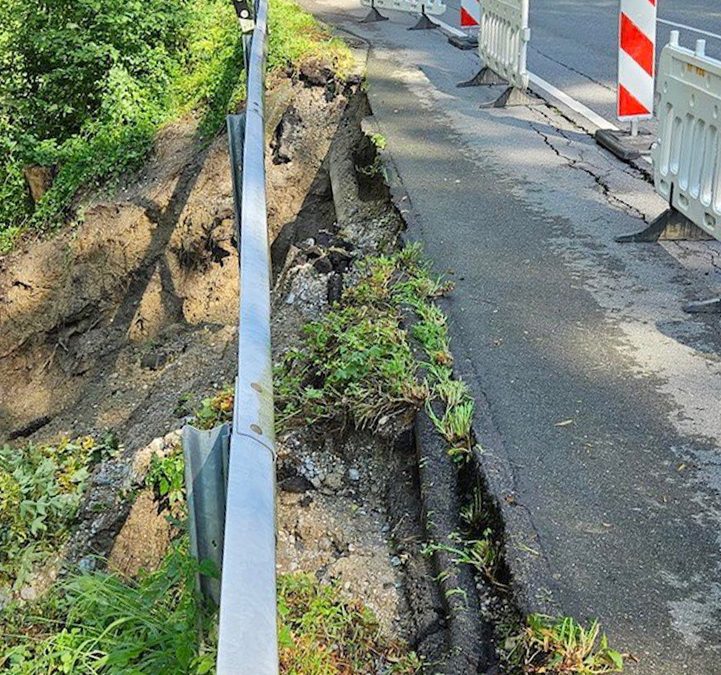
<point>248,631</point>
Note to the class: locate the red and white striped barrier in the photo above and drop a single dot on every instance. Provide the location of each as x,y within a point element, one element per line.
<point>470,13</point>
<point>636,59</point>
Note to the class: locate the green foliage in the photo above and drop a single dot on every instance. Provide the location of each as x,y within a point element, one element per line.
<point>215,410</point>
<point>41,487</point>
<point>322,633</point>
<point>356,363</point>
<point>379,140</point>
<point>561,645</point>
<point>166,478</point>
<point>483,553</point>
<point>295,36</point>
<point>102,623</point>
<point>86,85</point>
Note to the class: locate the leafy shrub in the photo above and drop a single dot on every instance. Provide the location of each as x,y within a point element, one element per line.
<point>41,487</point>
<point>86,84</point>
<point>166,477</point>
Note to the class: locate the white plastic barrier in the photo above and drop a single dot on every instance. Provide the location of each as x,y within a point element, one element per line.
<point>503,39</point>
<point>434,7</point>
<point>687,156</point>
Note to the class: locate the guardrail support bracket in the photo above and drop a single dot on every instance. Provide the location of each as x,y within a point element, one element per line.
<point>206,475</point>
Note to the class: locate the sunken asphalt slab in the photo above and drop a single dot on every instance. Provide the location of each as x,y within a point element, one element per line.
<point>600,412</point>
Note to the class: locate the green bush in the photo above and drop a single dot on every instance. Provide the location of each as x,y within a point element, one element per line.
<point>41,487</point>
<point>86,84</point>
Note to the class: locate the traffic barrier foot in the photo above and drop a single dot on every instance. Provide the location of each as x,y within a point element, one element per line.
<point>513,96</point>
<point>424,23</point>
<point>465,42</point>
<point>373,16</point>
<point>622,144</point>
<point>485,76</point>
<point>712,306</point>
<point>671,225</point>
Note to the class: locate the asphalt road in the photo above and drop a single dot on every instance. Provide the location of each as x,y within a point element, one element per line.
<point>599,413</point>
<point>574,42</point>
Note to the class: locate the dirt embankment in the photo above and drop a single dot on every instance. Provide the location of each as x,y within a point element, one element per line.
<point>106,324</point>
<point>126,320</point>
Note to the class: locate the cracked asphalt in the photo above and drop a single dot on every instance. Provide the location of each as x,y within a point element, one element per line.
<point>598,398</point>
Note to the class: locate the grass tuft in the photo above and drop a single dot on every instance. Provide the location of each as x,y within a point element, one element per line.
<point>562,646</point>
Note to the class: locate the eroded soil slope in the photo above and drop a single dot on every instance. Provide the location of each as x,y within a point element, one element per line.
<point>108,324</point>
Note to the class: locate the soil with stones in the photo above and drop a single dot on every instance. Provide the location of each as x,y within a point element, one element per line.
<point>127,319</point>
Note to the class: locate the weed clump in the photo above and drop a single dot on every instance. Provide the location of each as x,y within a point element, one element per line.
<point>100,622</point>
<point>41,488</point>
<point>215,409</point>
<point>322,633</point>
<point>561,646</point>
<point>356,364</point>
<point>166,478</point>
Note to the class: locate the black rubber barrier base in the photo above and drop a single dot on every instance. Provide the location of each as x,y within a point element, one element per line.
<point>484,77</point>
<point>704,307</point>
<point>671,225</point>
<point>465,42</point>
<point>424,23</point>
<point>373,16</point>
<point>513,96</point>
<point>623,145</point>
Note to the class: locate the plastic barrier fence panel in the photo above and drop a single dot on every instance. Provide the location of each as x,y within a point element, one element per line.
<point>687,157</point>
<point>503,39</point>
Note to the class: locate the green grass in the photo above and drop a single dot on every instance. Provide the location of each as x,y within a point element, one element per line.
<point>561,646</point>
<point>41,488</point>
<point>85,87</point>
<point>102,623</point>
<point>324,633</point>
